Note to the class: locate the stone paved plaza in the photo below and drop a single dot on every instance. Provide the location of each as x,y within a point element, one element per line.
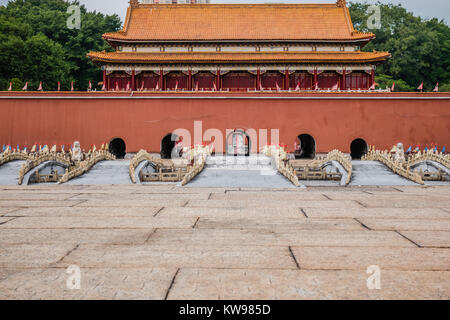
<point>169,242</point>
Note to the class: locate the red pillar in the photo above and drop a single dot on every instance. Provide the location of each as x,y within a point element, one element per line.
<point>161,78</point>
<point>286,80</point>
<point>344,80</point>
<point>372,77</point>
<point>258,79</point>
<point>133,80</point>
<point>189,86</point>
<point>104,78</point>
<point>316,80</point>
<point>219,82</point>
<point>108,83</point>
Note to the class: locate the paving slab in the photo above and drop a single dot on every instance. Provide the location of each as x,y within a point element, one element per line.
<point>246,195</point>
<point>405,203</point>
<point>279,224</point>
<point>424,190</point>
<point>181,256</point>
<point>237,212</point>
<point>76,236</point>
<point>86,212</point>
<point>256,242</point>
<point>131,203</point>
<point>407,224</point>
<point>98,223</point>
<point>374,195</point>
<point>201,284</point>
<point>143,196</point>
<point>96,284</point>
<point>4,211</point>
<point>439,239</point>
<point>273,203</point>
<point>258,237</point>
<point>390,213</point>
<point>24,196</point>
<point>387,258</point>
<point>32,255</point>
<point>37,203</point>
<point>5,220</point>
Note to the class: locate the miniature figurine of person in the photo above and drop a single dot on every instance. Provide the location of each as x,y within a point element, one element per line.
<point>399,154</point>
<point>77,153</point>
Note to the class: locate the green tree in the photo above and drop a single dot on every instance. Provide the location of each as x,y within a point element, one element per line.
<point>444,87</point>
<point>385,81</point>
<point>420,48</point>
<point>17,84</point>
<point>38,46</point>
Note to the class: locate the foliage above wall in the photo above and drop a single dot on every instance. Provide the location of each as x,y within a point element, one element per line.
<point>420,48</point>
<point>36,44</point>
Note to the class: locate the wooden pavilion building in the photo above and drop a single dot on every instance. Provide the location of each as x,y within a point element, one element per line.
<point>237,47</point>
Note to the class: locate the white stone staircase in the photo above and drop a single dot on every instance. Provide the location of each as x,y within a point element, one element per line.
<point>374,173</point>
<point>105,172</point>
<point>254,171</point>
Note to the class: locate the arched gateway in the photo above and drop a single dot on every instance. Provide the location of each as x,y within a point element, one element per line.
<point>358,148</point>
<point>305,147</point>
<point>238,143</point>
<point>118,148</point>
<point>168,146</point>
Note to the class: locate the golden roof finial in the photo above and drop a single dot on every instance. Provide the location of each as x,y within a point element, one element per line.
<point>341,3</point>
<point>134,3</point>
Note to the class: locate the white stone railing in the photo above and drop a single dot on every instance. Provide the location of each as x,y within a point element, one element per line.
<point>142,155</point>
<point>84,166</point>
<point>195,159</point>
<point>198,154</point>
<point>279,155</point>
<point>14,155</point>
<point>397,167</point>
<point>345,162</point>
<point>430,155</point>
<point>36,159</point>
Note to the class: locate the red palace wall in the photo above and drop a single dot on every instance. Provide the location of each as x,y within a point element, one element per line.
<point>334,120</point>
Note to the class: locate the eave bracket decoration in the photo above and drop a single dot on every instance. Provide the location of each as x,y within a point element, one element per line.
<point>339,3</point>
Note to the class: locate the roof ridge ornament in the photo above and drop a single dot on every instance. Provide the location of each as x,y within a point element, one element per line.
<point>341,3</point>
<point>134,3</point>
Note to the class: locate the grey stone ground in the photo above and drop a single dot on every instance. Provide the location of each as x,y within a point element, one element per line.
<point>374,173</point>
<point>228,172</point>
<point>244,172</point>
<point>105,172</point>
<point>9,173</point>
<point>158,242</point>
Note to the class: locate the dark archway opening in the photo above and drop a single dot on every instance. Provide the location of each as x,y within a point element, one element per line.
<point>118,148</point>
<point>358,148</point>
<point>306,147</point>
<point>239,143</point>
<point>168,146</point>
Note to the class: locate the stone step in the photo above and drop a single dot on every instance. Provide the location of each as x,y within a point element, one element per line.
<point>105,172</point>
<point>239,163</point>
<point>374,173</point>
<point>255,171</point>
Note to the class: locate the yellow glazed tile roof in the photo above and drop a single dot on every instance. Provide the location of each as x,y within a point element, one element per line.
<point>203,57</point>
<point>233,22</point>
